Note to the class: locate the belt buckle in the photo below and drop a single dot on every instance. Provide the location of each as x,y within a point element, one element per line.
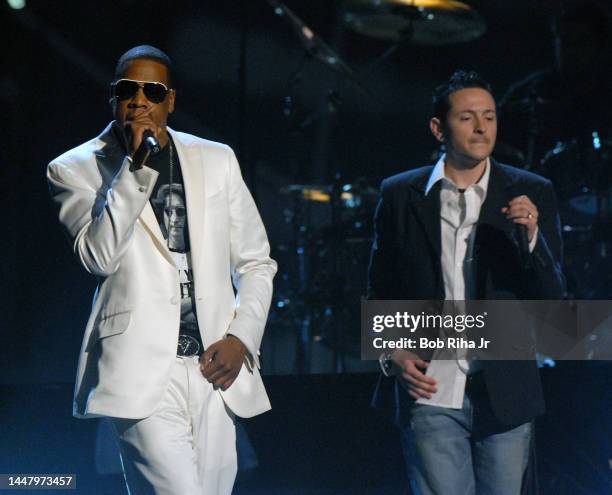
<point>187,346</point>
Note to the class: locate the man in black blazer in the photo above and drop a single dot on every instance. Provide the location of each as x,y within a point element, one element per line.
<point>452,232</point>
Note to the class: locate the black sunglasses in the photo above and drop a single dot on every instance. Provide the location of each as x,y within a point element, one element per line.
<point>126,89</point>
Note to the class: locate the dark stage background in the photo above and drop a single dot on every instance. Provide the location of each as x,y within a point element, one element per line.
<point>57,61</point>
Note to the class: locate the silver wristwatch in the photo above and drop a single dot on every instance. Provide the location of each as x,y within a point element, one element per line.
<point>386,364</point>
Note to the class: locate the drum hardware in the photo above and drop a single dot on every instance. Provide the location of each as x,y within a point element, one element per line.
<point>532,105</point>
<point>581,171</point>
<point>351,195</point>
<point>315,47</point>
<point>331,252</point>
<point>580,166</point>
<point>304,195</point>
<point>416,22</point>
<point>419,22</point>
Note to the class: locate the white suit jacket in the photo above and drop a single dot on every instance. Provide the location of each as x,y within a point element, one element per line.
<point>131,337</point>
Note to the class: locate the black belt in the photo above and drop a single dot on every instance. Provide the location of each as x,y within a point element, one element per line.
<point>188,346</point>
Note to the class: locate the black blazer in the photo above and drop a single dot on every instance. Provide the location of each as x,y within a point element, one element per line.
<point>405,264</point>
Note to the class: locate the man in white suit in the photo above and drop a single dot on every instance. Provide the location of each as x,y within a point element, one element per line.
<point>170,351</point>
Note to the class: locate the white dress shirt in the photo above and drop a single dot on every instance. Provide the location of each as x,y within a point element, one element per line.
<point>459,213</point>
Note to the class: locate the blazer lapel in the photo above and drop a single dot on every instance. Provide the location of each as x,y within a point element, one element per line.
<point>500,191</point>
<point>427,213</point>
<point>495,234</point>
<point>149,221</point>
<point>110,155</point>
<point>193,179</point>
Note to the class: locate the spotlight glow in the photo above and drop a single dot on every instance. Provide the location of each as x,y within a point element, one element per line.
<point>16,4</point>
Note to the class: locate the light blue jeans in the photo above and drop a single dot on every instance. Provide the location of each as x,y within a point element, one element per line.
<point>444,458</point>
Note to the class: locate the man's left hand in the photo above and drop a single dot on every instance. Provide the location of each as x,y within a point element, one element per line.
<point>522,211</point>
<point>221,362</point>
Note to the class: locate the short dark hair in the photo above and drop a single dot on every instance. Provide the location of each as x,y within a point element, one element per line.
<point>143,51</point>
<point>460,79</point>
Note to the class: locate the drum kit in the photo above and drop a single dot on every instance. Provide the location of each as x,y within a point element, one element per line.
<point>331,239</point>
<point>332,226</point>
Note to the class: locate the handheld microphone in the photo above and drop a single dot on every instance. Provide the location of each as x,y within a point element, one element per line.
<point>151,141</point>
<point>148,146</point>
<point>523,243</point>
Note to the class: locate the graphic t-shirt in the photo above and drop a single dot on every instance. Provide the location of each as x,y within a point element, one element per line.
<point>169,205</point>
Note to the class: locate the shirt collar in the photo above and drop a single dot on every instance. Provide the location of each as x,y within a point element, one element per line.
<point>437,174</point>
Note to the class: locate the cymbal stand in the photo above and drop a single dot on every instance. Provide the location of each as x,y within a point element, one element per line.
<point>303,314</point>
<point>337,299</point>
<point>303,346</point>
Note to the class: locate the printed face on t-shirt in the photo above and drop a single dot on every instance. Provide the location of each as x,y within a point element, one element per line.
<point>174,215</point>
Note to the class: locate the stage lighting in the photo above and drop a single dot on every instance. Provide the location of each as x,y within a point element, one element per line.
<point>16,4</point>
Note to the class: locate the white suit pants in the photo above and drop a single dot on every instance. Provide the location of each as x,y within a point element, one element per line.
<point>187,447</point>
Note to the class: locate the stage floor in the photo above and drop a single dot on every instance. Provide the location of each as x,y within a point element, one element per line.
<point>321,438</point>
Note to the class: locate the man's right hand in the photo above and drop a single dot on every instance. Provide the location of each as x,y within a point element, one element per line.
<point>139,121</point>
<point>407,368</point>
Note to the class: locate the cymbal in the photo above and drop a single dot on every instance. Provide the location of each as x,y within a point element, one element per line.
<point>351,194</point>
<point>421,22</point>
<point>308,192</point>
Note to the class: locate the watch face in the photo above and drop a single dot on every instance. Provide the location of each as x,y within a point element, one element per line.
<point>385,364</point>
<point>187,346</point>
